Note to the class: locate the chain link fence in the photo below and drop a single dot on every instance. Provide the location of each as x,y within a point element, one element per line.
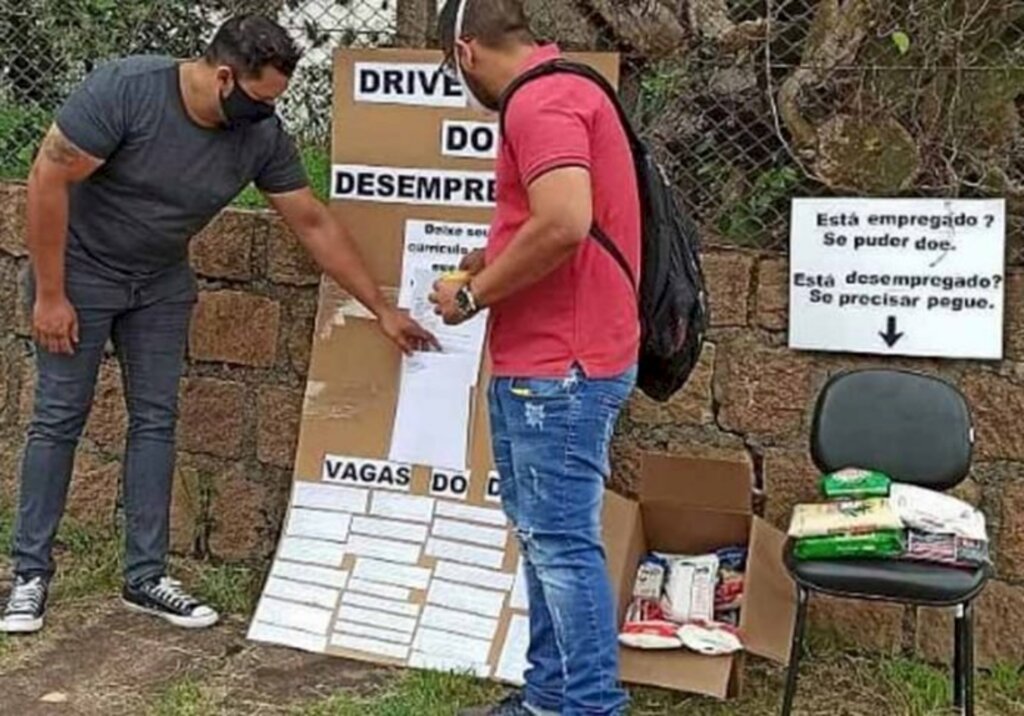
<point>746,102</point>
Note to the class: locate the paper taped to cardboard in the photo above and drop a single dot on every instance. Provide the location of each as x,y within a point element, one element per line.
<point>395,548</point>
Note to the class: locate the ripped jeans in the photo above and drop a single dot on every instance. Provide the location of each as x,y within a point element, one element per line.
<point>551,440</point>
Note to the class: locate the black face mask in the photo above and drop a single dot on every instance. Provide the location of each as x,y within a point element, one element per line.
<point>241,110</point>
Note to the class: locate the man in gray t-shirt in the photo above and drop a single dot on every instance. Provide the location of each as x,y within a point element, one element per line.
<point>143,155</point>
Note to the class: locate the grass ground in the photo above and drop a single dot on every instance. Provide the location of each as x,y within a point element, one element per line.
<point>104,661</point>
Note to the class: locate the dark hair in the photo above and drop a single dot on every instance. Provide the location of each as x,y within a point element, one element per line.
<point>494,23</point>
<point>248,43</point>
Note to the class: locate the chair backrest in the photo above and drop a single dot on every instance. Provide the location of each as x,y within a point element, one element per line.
<point>914,428</point>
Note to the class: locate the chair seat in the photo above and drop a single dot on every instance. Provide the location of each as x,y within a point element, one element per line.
<point>890,580</point>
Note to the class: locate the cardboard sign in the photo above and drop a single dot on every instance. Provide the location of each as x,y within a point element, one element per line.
<point>914,277</point>
<point>379,560</point>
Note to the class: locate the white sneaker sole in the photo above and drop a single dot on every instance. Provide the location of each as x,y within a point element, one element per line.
<point>180,622</point>
<point>21,626</point>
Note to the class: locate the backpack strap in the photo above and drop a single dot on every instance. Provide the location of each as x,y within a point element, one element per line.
<point>563,66</point>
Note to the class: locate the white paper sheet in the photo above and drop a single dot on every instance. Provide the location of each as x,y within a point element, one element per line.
<point>520,595</point>
<point>464,532</point>
<point>293,616</point>
<point>387,573</point>
<point>370,646</point>
<point>466,599</point>
<point>513,664</point>
<point>475,576</point>
<point>398,637</point>
<point>432,418</point>
<point>310,575</point>
<point>321,525</point>
<point>300,549</point>
<point>377,527</point>
<point>441,643</point>
<point>405,609</point>
<point>485,515</point>
<point>301,593</point>
<point>402,507</point>
<point>270,634</point>
<point>459,552</point>
<point>359,615</point>
<point>436,617</point>
<point>388,550</point>
<point>465,340</point>
<point>329,497</point>
<point>399,594</point>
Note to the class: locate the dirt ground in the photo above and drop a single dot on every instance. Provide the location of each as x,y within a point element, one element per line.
<point>100,660</point>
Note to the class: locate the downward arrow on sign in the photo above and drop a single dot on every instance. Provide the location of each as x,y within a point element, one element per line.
<point>890,336</point>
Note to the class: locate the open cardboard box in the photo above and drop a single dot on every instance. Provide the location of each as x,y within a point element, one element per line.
<point>694,506</point>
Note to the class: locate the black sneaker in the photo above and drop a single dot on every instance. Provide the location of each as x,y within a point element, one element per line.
<point>165,598</point>
<point>511,706</point>
<point>26,606</point>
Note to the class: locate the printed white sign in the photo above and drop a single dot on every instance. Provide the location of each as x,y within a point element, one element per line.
<point>435,247</point>
<point>367,473</point>
<point>445,483</point>
<point>423,187</point>
<point>915,277</point>
<point>416,84</point>
<point>469,140</point>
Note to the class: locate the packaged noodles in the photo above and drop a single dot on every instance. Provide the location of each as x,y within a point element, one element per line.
<point>871,545</point>
<point>846,517</point>
<point>929,511</point>
<point>946,549</point>
<point>855,484</point>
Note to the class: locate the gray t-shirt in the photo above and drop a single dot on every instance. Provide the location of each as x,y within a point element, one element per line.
<point>164,176</point>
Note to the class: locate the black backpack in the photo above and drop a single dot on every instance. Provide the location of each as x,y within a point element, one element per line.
<point>673,306</point>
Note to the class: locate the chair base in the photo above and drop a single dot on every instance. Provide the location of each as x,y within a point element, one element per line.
<point>963,655</point>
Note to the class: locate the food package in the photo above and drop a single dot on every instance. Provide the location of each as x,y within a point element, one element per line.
<point>732,561</point>
<point>710,639</point>
<point>929,511</point>
<point>647,628</point>
<point>845,517</point>
<point>690,589</point>
<point>650,578</point>
<point>870,545</point>
<point>946,549</point>
<point>855,484</point>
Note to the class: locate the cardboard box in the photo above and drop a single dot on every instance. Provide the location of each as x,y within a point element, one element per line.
<point>694,506</point>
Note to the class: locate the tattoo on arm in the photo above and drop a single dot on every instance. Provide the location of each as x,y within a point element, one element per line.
<point>59,150</point>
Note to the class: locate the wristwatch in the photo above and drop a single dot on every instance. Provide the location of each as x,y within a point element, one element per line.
<point>466,302</point>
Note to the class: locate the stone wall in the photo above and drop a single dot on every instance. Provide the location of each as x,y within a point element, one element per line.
<point>750,398</point>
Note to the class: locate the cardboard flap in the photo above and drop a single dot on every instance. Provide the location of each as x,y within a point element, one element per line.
<point>678,670</point>
<point>769,599</point>
<point>697,482</point>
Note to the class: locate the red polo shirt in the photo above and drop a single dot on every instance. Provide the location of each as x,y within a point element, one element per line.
<point>585,311</point>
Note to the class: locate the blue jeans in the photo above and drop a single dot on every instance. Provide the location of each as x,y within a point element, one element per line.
<point>551,440</point>
<point>147,320</point>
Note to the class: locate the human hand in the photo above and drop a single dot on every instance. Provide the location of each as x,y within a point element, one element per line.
<point>406,333</point>
<point>55,325</point>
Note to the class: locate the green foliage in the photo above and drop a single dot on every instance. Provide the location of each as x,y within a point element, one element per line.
<point>183,698</point>
<point>902,42</point>
<point>747,220</point>
<point>414,692</point>
<point>228,588</point>
<point>21,130</point>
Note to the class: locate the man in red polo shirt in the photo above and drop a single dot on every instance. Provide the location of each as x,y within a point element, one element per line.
<point>564,341</point>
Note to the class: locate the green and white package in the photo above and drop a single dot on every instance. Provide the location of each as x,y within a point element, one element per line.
<point>884,544</point>
<point>855,484</point>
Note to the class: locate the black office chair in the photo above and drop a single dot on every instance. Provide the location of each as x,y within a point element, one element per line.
<point>917,429</point>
